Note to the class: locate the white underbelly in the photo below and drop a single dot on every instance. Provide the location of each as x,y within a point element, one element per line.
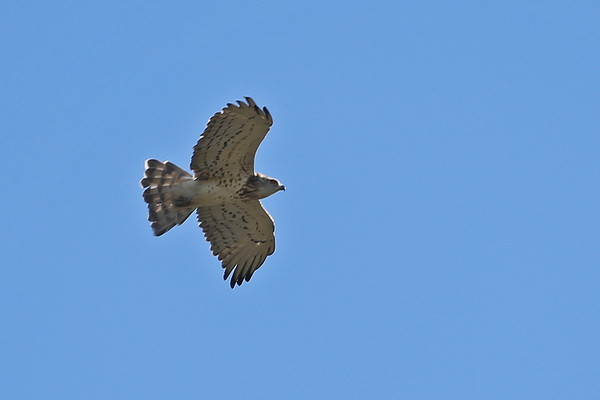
<point>207,193</point>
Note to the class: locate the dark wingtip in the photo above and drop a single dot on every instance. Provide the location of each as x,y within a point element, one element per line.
<point>145,182</point>
<point>268,114</point>
<point>158,231</point>
<point>151,162</point>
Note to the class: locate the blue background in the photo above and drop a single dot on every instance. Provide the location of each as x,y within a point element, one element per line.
<point>438,239</point>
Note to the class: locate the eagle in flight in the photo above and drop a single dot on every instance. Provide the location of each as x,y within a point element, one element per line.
<point>224,191</point>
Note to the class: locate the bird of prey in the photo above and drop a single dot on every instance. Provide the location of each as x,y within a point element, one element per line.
<point>225,191</point>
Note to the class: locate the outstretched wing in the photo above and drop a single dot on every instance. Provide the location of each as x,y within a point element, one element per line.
<point>228,145</point>
<point>241,236</point>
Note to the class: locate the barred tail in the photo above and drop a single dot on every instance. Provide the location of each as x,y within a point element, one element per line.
<point>166,206</point>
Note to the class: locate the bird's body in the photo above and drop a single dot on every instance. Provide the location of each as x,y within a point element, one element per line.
<point>206,192</point>
<point>224,190</point>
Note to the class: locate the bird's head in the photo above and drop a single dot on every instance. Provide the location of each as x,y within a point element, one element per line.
<point>260,186</point>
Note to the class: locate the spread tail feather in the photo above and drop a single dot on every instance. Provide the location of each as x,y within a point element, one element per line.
<point>166,206</point>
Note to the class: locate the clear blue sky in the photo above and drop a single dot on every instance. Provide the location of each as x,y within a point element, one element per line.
<point>440,233</point>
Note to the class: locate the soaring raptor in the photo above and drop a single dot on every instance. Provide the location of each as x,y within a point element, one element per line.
<point>225,191</point>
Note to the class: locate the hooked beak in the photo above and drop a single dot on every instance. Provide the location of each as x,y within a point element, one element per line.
<point>281,187</point>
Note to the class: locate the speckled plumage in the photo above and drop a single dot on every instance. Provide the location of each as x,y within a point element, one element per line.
<point>225,190</point>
